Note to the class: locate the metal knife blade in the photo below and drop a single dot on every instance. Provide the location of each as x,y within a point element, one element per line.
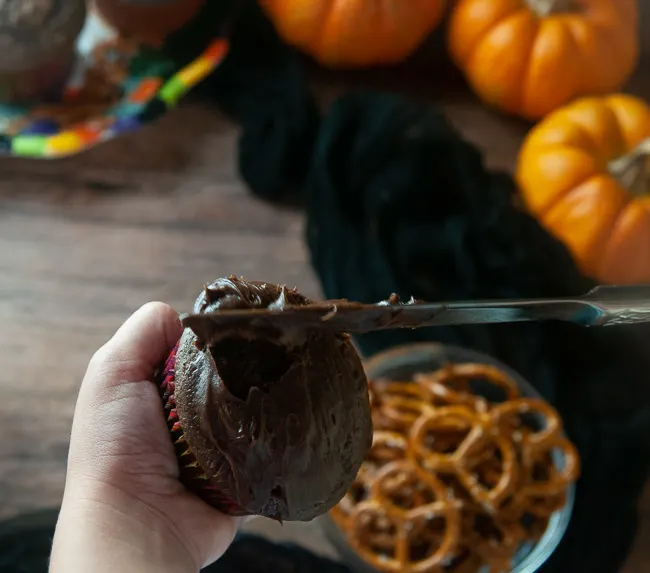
<point>602,306</point>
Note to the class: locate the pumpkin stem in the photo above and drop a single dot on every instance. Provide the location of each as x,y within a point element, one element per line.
<point>544,8</point>
<point>632,170</point>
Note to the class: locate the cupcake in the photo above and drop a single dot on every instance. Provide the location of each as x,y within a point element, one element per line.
<point>265,422</point>
<point>38,45</point>
<point>148,21</point>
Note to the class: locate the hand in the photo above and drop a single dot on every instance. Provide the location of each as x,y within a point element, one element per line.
<point>124,508</point>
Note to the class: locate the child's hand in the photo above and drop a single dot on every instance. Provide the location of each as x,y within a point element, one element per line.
<point>124,508</point>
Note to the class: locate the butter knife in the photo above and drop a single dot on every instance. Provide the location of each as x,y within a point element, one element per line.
<point>602,306</point>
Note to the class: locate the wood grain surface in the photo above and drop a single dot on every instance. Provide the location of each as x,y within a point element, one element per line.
<point>87,240</point>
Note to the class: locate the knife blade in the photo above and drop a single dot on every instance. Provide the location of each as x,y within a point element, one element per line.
<point>602,306</point>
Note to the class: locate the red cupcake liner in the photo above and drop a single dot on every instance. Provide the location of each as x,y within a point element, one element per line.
<point>192,475</point>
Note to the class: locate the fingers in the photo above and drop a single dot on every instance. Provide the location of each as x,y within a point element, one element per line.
<point>137,348</point>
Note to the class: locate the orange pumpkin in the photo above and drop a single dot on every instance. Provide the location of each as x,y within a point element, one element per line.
<point>529,57</point>
<point>350,33</point>
<point>584,171</point>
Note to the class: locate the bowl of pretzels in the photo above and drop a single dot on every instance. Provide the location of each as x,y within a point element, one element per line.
<point>469,471</point>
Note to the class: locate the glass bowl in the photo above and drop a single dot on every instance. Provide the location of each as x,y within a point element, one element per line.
<point>401,364</point>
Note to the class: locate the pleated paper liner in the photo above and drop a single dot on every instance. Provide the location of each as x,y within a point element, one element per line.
<point>191,474</point>
<point>116,88</point>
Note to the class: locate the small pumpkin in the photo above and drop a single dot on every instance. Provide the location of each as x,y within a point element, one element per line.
<point>584,171</point>
<point>529,57</point>
<point>355,33</point>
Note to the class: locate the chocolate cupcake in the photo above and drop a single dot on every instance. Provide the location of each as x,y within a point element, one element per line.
<point>148,21</point>
<point>269,422</point>
<point>38,44</point>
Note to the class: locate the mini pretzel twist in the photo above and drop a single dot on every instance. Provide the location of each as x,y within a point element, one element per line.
<point>453,384</point>
<point>394,533</point>
<point>556,479</point>
<point>463,461</point>
<point>507,418</point>
<point>397,405</point>
<point>386,447</point>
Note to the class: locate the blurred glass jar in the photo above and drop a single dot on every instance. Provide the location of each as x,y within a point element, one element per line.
<point>38,47</point>
<point>148,21</point>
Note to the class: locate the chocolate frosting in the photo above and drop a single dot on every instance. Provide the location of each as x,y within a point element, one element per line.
<point>279,419</point>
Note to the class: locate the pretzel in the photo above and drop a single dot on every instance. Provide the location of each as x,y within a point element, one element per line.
<point>384,535</point>
<point>400,413</point>
<point>445,395</point>
<point>544,507</point>
<point>452,384</point>
<point>397,486</point>
<point>386,447</point>
<point>461,461</point>
<point>383,389</point>
<point>508,417</point>
<point>454,482</point>
<point>400,404</point>
<point>494,540</point>
<point>557,479</point>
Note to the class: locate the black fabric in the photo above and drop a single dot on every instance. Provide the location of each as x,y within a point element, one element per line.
<point>261,86</point>
<point>253,554</point>
<point>26,542</point>
<point>283,129</point>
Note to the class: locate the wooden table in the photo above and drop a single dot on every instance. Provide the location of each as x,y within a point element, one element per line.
<point>85,241</point>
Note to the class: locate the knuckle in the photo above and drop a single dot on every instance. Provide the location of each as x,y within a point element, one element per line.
<point>154,307</point>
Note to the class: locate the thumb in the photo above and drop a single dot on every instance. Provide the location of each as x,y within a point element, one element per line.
<point>136,349</point>
<point>117,403</point>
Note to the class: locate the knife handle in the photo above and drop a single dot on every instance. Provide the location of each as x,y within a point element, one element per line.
<point>621,304</point>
